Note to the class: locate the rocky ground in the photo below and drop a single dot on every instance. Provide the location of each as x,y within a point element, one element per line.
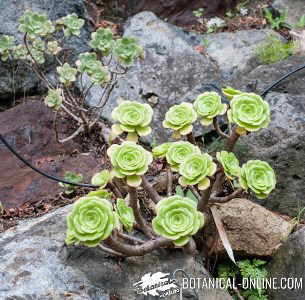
<point>176,68</point>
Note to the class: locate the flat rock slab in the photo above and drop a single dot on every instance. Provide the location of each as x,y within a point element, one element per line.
<point>289,262</point>
<point>35,265</point>
<point>28,128</point>
<point>252,229</point>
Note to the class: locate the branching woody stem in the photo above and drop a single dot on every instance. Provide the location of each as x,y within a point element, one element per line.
<point>134,204</point>
<point>215,199</point>
<point>150,190</point>
<point>232,140</point>
<point>204,200</point>
<point>190,248</point>
<point>110,251</point>
<point>139,250</point>
<point>190,137</point>
<point>218,129</point>
<point>130,238</point>
<point>169,181</point>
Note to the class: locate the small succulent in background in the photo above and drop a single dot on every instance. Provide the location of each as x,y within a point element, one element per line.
<point>72,177</point>
<point>53,47</point>
<point>72,24</point>
<point>53,99</point>
<point>125,214</point>
<point>67,74</point>
<point>177,219</point>
<point>180,118</point>
<point>229,92</point>
<point>6,44</point>
<point>101,179</point>
<point>214,24</point>
<point>102,40</point>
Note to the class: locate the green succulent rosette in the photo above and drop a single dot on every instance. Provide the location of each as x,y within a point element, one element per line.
<point>91,220</point>
<point>161,150</point>
<point>127,50</point>
<point>102,40</point>
<point>67,74</point>
<point>20,52</point>
<point>6,45</point>
<point>177,219</point>
<point>249,111</point>
<point>101,193</point>
<point>195,170</point>
<point>101,179</point>
<point>72,24</point>
<point>35,24</point>
<point>125,214</point>
<point>129,161</point>
<point>229,92</point>
<point>208,105</point>
<point>53,99</point>
<point>230,163</point>
<point>180,118</point>
<point>86,61</point>
<point>259,177</point>
<point>133,117</point>
<point>53,47</point>
<point>177,153</point>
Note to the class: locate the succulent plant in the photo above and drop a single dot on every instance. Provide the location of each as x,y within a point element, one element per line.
<point>208,105</point>
<point>101,193</point>
<point>180,118</point>
<point>72,177</point>
<point>195,170</point>
<point>133,117</point>
<point>177,153</point>
<point>161,150</point>
<point>6,44</point>
<point>35,24</point>
<point>127,50</point>
<point>229,92</point>
<point>102,40</point>
<point>20,52</point>
<point>259,177</point>
<point>53,99</point>
<point>129,160</point>
<point>177,219</point>
<point>101,178</point>
<point>53,47</point>
<point>90,221</point>
<point>230,163</point>
<point>249,111</point>
<point>125,214</point>
<point>67,74</point>
<point>72,24</point>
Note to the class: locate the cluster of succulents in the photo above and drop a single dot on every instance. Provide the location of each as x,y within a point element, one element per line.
<point>177,217</point>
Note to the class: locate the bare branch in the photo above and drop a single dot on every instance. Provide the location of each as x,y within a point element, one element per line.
<point>218,129</point>
<point>169,181</point>
<point>150,190</point>
<point>215,199</point>
<point>73,135</point>
<point>130,238</point>
<point>110,251</point>
<point>231,141</point>
<point>190,137</point>
<point>190,248</point>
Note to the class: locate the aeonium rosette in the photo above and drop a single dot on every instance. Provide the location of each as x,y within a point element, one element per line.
<point>208,105</point>
<point>129,161</point>
<point>230,92</point>
<point>177,153</point>
<point>102,40</point>
<point>72,24</point>
<point>195,170</point>
<point>91,220</point>
<point>259,177</point>
<point>180,118</point>
<point>101,179</point>
<point>177,219</point>
<point>133,117</point>
<point>161,150</point>
<point>230,163</point>
<point>125,214</point>
<point>249,111</point>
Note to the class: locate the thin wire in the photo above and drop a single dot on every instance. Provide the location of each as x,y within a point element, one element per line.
<point>55,178</point>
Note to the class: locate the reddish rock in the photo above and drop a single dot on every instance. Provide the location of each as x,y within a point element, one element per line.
<point>28,127</point>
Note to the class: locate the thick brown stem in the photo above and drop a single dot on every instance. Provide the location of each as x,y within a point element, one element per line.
<point>218,129</point>
<point>190,137</point>
<point>232,140</point>
<point>169,181</point>
<point>139,250</point>
<point>150,190</point>
<point>204,200</point>
<point>110,251</point>
<point>215,199</point>
<point>115,190</point>
<point>190,248</point>
<point>134,204</point>
<point>130,238</point>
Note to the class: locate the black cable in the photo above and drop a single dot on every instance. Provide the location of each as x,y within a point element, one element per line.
<point>40,171</point>
<point>276,83</point>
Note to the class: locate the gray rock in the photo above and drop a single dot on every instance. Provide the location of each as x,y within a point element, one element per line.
<point>263,76</point>
<point>282,144</point>
<point>171,69</point>
<point>35,265</point>
<point>288,264</point>
<point>24,80</point>
<point>295,9</point>
<point>234,52</point>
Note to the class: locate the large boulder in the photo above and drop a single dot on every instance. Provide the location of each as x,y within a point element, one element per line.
<point>20,80</point>
<point>282,144</point>
<point>36,265</point>
<point>288,267</point>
